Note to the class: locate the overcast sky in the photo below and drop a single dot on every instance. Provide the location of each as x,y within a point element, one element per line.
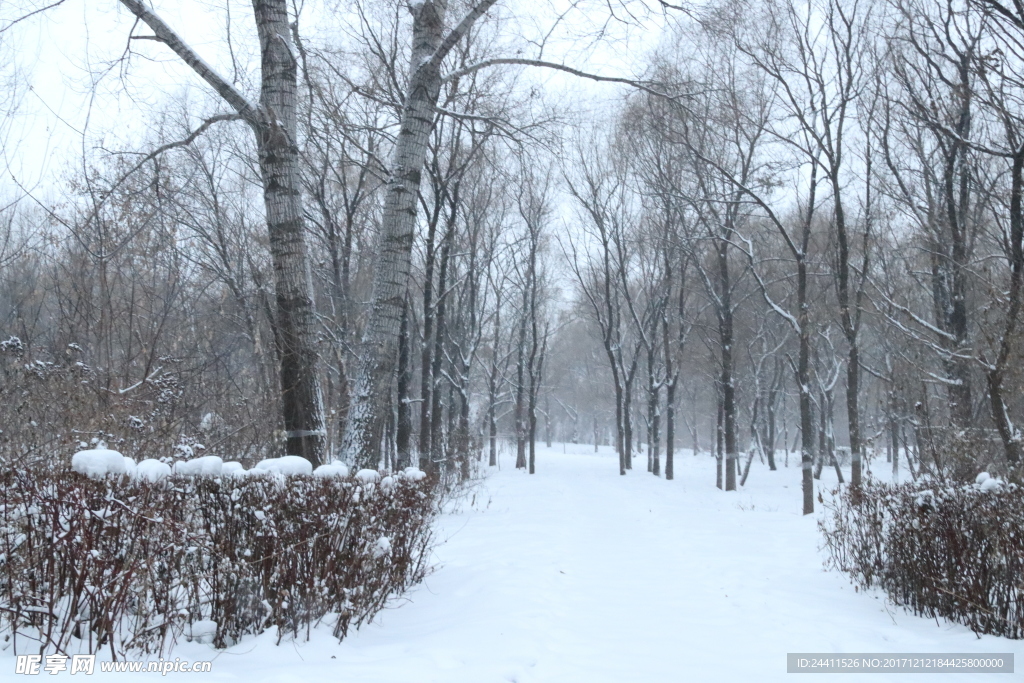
<point>77,94</point>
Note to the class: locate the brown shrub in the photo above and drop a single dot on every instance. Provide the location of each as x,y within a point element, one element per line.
<point>123,565</point>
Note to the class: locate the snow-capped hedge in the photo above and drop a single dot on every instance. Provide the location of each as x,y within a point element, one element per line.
<point>955,551</point>
<point>136,563</point>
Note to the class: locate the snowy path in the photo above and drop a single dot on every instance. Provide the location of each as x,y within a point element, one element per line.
<point>576,574</point>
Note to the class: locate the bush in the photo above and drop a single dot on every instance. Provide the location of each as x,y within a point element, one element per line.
<point>122,565</point>
<point>950,551</point>
<point>52,406</point>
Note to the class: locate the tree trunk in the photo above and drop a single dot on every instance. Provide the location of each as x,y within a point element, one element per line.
<point>770,437</point>
<point>1007,431</point>
<point>492,385</point>
<point>725,333</point>
<point>282,193</point>
<point>426,347</point>
<point>803,379</point>
<point>403,437</point>
<point>438,456</point>
<point>547,420</point>
<point>719,442</point>
<point>627,425</point>
<point>274,123</point>
<point>670,428</point>
<point>521,416</point>
<point>395,240</point>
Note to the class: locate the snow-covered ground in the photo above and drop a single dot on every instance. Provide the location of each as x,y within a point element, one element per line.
<point>578,574</point>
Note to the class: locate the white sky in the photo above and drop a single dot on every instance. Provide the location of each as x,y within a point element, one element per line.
<point>76,96</point>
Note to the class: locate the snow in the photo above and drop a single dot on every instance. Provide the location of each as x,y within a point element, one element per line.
<point>578,574</point>
<point>982,478</point>
<point>129,466</point>
<point>332,469</point>
<point>97,463</point>
<point>152,470</point>
<point>233,469</point>
<point>367,476</point>
<point>206,466</point>
<point>991,484</point>
<point>382,547</point>
<point>286,465</point>
<point>414,474</point>
<point>203,631</point>
<point>208,421</point>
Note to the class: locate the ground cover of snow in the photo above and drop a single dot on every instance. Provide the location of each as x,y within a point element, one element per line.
<point>578,574</point>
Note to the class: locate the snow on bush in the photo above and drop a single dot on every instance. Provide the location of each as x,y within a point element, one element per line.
<point>98,463</point>
<point>233,469</point>
<point>414,474</point>
<point>986,482</point>
<point>152,470</point>
<point>132,565</point>
<point>332,469</point>
<point>951,550</point>
<point>382,547</point>
<point>286,465</point>
<point>129,466</point>
<point>368,476</point>
<point>206,466</point>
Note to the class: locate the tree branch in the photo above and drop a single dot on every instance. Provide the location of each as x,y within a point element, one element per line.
<point>640,85</point>
<point>457,33</point>
<point>246,110</point>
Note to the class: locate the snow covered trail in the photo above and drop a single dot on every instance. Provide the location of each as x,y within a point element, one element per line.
<point>578,574</point>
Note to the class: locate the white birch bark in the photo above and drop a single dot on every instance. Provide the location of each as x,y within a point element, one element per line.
<point>274,123</point>
<point>369,407</point>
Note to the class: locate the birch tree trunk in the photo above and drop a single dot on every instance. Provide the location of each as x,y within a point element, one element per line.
<point>378,350</point>
<point>274,122</point>
<point>282,194</point>
<point>391,270</point>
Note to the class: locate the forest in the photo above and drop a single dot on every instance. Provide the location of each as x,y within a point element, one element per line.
<point>450,235</point>
<point>805,238</point>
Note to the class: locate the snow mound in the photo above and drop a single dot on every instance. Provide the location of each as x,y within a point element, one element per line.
<point>152,470</point>
<point>333,469</point>
<point>286,465</point>
<point>206,466</point>
<point>982,478</point>
<point>233,469</point>
<point>129,466</point>
<point>414,474</point>
<point>203,631</point>
<point>388,483</point>
<point>98,463</point>
<point>368,476</point>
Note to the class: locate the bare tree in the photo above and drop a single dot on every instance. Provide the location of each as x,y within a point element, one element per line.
<point>273,121</point>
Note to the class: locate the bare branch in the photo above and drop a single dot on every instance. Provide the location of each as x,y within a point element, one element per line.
<point>164,33</point>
